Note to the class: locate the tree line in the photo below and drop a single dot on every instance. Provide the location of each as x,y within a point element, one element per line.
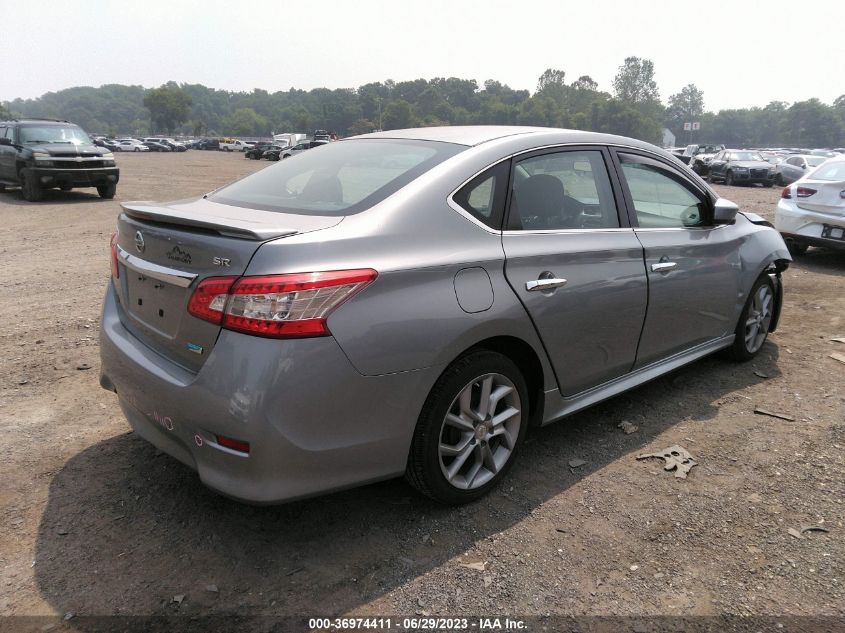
<point>632,107</point>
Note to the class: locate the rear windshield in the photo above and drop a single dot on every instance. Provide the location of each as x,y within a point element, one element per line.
<point>833,171</point>
<point>337,178</point>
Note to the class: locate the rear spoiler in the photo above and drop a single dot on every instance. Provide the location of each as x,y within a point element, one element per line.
<point>247,225</point>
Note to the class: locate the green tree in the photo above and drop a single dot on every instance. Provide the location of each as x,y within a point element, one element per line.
<point>5,113</point>
<point>684,106</point>
<point>634,83</point>
<point>397,115</point>
<point>361,126</point>
<point>247,122</point>
<point>169,106</point>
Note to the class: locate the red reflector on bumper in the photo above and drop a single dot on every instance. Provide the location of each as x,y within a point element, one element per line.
<point>235,445</point>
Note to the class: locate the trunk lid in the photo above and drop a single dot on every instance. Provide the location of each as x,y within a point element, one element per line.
<point>164,251</point>
<point>827,199</point>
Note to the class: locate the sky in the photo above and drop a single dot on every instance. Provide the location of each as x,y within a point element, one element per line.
<point>740,54</point>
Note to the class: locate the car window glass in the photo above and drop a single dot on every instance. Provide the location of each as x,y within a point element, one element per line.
<point>562,190</point>
<point>483,197</point>
<point>660,200</point>
<point>831,171</point>
<point>337,179</point>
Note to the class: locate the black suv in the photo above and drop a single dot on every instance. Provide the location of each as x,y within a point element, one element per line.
<point>38,154</point>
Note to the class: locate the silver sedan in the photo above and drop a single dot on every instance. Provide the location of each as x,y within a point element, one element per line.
<point>412,302</point>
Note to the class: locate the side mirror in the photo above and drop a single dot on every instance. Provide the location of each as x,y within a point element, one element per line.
<point>724,211</point>
<point>5,141</point>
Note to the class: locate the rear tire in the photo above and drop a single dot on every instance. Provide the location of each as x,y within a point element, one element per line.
<point>107,191</point>
<point>30,189</point>
<point>752,330</point>
<point>65,187</point>
<point>470,428</point>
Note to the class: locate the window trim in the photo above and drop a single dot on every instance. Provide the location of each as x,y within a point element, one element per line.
<point>673,173</point>
<point>621,216</point>
<point>614,179</point>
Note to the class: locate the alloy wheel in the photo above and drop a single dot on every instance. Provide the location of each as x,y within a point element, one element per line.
<point>480,431</point>
<point>759,318</point>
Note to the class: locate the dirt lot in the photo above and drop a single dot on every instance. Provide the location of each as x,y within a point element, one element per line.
<point>95,521</point>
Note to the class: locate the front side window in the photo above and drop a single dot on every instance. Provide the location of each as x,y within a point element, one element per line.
<point>661,199</point>
<point>338,178</point>
<point>562,191</point>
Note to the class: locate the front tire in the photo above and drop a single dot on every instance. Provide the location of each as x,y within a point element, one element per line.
<point>470,428</point>
<point>107,191</point>
<point>30,189</point>
<point>754,322</point>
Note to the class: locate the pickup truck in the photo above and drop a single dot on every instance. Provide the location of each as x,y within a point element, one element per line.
<point>235,146</point>
<point>698,157</point>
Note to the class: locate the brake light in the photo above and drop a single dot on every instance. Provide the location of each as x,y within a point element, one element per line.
<point>209,299</point>
<point>278,306</point>
<point>804,192</point>
<point>786,193</point>
<point>115,269</point>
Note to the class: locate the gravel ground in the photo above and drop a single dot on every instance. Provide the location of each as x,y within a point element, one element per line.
<point>95,521</point>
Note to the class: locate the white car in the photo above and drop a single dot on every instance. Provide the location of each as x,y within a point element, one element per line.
<point>811,211</point>
<point>131,145</point>
<point>236,146</point>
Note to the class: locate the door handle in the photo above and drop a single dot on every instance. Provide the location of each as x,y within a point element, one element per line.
<point>544,284</point>
<point>663,267</point>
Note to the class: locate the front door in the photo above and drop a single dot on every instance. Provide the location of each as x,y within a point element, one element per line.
<point>575,264</point>
<point>693,266</point>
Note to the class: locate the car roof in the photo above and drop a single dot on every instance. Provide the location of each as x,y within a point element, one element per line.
<point>472,135</point>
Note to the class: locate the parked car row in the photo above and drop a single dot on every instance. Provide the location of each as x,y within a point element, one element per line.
<point>152,144</point>
<point>733,166</point>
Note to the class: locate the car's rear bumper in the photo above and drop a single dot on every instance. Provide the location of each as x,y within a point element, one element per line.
<point>313,422</point>
<point>808,227</point>
<point>97,177</point>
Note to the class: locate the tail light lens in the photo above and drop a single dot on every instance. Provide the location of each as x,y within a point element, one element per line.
<point>209,299</point>
<point>804,192</point>
<point>115,269</point>
<point>277,306</point>
<point>786,194</point>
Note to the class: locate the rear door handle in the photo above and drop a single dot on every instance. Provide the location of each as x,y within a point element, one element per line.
<point>663,267</point>
<point>544,284</point>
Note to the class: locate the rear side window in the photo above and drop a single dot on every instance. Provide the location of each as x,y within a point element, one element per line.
<point>337,178</point>
<point>562,191</point>
<point>661,198</point>
<point>483,197</point>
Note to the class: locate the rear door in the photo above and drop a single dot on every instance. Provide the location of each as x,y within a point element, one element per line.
<point>575,264</point>
<point>693,266</point>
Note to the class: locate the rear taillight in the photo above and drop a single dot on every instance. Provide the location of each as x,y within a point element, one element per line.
<point>804,192</point>
<point>115,269</point>
<point>786,193</point>
<point>277,306</point>
<point>209,299</point>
